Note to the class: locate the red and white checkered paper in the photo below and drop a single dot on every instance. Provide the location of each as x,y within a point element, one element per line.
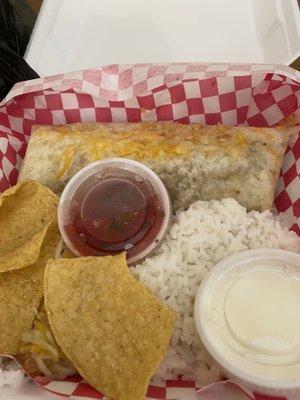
<point>234,94</point>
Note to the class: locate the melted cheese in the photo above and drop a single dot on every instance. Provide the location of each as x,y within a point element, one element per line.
<point>67,161</point>
<point>158,142</point>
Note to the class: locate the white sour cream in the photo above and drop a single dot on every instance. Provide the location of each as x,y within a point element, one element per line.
<point>247,313</point>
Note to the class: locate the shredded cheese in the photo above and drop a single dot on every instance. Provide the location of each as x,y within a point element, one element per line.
<point>67,161</point>
<point>39,346</point>
<point>151,144</point>
<point>59,248</point>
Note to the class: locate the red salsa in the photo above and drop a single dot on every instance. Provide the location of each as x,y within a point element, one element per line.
<point>114,214</point>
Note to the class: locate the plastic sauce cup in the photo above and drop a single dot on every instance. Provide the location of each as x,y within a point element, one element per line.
<point>114,205</point>
<point>247,315</point>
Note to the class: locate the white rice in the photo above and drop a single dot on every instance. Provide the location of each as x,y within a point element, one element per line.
<point>199,238</point>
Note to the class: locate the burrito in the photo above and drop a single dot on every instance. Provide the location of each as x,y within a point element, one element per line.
<point>195,162</point>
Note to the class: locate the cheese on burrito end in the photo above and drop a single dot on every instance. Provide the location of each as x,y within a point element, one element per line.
<point>194,161</point>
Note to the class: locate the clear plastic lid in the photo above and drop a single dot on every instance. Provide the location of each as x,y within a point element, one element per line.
<point>114,205</point>
<point>247,315</point>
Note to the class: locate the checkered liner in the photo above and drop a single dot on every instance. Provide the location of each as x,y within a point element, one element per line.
<point>235,94</point>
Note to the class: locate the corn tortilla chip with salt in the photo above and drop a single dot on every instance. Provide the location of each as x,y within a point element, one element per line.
<point>26,210</point>
<point>24,255</point>
<point>109,325</point>
<point>50,244</point>
<point>21,292</point>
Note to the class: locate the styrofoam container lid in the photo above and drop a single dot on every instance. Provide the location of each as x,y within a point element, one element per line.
<point>78,34</point>
<point>248,317</point>
<point>114,205</point>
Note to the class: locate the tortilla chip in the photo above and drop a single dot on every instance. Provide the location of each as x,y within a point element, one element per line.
<point>66,253</point>
<point>21,292</point>
<point>109,325</point>
<point>25,255</point>
<point>25,213</point>
<point>50,244</point>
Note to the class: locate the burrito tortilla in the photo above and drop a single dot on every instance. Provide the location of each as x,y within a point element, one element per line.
<point>195,162</point>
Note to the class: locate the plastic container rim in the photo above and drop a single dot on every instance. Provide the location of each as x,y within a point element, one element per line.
<point>92,168</point>
<point>272,386</point>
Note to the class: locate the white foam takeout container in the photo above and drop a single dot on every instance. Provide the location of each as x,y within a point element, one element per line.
<point>77,34</point>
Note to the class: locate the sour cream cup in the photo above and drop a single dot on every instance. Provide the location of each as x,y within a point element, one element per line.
<point>247,313</point>
<point>114,205</point>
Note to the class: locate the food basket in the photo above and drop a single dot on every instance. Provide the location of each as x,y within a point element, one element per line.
<point>234,94</point>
